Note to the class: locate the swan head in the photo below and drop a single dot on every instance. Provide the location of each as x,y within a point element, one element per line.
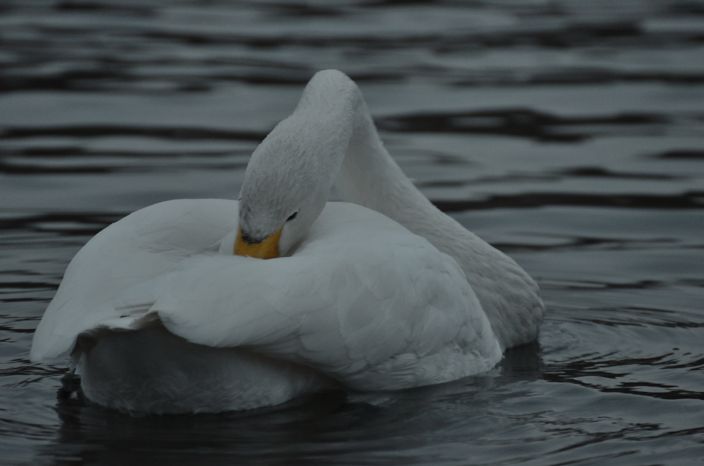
<point>290,174</point>
<point>285,188</point>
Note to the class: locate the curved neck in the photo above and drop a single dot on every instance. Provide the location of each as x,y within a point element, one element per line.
<point>367,175</point>
<point>350,152</point>
<point>349,143</point>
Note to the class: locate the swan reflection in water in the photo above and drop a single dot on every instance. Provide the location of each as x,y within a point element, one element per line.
<point>333,427</point>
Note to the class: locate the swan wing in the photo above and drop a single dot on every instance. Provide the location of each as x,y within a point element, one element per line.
<point>134,250</point>
<point>362,300</point>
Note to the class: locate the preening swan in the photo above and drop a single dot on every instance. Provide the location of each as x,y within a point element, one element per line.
<point>172,308</point>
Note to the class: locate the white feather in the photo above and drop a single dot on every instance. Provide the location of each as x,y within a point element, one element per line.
<point>162,317</point>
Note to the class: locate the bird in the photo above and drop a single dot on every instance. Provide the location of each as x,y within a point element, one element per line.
<point>213,305</point>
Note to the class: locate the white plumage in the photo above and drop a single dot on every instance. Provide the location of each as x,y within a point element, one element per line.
<point>160,316</point>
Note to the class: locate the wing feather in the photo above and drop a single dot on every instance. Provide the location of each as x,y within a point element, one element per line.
<point>376,311</point>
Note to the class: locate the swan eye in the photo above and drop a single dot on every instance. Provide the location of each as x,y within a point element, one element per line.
<point>292,216</point>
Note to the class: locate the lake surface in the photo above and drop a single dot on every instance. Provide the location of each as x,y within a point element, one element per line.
<point>568,133</point>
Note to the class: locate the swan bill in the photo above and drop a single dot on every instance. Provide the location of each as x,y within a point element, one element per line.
<point>268,248</point>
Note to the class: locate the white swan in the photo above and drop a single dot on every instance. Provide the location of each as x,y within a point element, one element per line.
<point>382,293</point>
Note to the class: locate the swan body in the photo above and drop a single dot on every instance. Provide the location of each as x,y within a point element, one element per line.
<point>381,292</point>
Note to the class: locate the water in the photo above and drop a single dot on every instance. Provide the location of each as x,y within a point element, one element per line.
<point>568,133</point>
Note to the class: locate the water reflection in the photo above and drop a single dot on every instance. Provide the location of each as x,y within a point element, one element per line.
<point>334,427</point>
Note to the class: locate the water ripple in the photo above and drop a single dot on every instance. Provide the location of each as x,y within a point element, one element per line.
<point>568,133</point>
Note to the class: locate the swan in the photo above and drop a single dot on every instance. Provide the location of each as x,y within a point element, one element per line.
<point>172,309</point>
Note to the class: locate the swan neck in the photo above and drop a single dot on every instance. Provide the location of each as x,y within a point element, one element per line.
<point>366,174</point>
<point>352,154</point>
<point>369,176</point>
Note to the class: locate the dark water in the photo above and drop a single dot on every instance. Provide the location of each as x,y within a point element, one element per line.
<point>570,133</point>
